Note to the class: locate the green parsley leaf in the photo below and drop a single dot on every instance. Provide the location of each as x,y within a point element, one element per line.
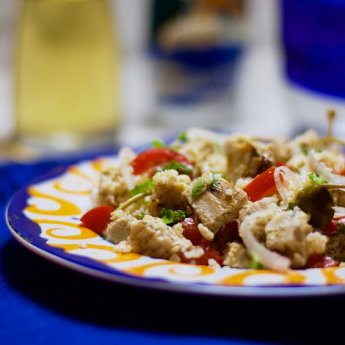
<point>182,136</point>
<point>318,150</point>
<point>340,228</point>
<point>157,144</point>
<point>180,167</point>
<point>142,188</point>
<point>316,178</point>
<point>170,216</point>
<point>304,149</point>
<point>142,215</point>
<point>198,187</point>
<point>291,205</point>
<point>214,183</point>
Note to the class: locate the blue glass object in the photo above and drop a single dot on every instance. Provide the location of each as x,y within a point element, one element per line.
<point>313,33</point>
<point>206,74</point>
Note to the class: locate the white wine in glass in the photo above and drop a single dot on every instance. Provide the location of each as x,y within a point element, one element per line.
<point>67,73</point>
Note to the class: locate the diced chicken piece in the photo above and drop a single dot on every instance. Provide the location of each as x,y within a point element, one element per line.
<point>216,208</point>
<point>204,155</point>
<point>112,188</point>
<point>169,188</point>
<point>236,256</point>
<point>316,243</point>
<point>286,233</point>
<point>335,247</point>
<point>152,237</point>
<point>246,158</point>
<point>119,228</point>
<point>260,205</point>
<point>258,227</point>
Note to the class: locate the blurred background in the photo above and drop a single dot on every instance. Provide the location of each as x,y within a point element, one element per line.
<point>84,73</point>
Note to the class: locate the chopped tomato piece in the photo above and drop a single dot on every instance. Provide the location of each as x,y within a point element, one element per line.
<point>320,261</point>
<point>332,227</point>
<point>154,158</point>
<point>209,253</point>
<point>280,164</point>
<point>97,218</point>
<point>191,231</point>
<point>225,235</point>
<point>262,186</point>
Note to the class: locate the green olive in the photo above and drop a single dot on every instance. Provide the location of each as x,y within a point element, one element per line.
<point>318,202</point>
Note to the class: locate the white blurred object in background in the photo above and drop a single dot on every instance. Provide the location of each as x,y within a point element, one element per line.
<point>260,102</point>
<point>8,15</point>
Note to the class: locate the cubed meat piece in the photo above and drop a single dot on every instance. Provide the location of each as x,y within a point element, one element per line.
<point>246,158</point>
<point>152,237</point>
<point>286,233</point>
<point>169,188</point>
<point>216,208</point>
<point>120,227</point>
<point>257,227</point>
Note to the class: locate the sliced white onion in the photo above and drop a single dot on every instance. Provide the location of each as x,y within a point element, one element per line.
<point>339,212</point>
<point>126,155</point>
<point>289,178</point>
<point>279,184</point>
<point>263,255</point>
<point>200,133</point>
<point>323,171</point>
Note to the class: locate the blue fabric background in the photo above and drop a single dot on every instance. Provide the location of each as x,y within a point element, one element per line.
<point>43,303</point>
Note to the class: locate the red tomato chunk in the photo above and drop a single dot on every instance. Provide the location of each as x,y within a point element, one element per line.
<point>154,158</point>
<point>225,235</point>
<point>192,233</point>
<point>332,226</point>
<point>97,218</point>
<point>262,186</point>
<point>320,261</point>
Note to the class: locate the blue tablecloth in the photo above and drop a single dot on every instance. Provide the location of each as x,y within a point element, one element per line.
<point>43,303</point>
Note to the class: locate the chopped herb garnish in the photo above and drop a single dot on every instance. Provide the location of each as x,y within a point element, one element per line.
<point>170,216</point>
<point>291,205</point>
<point>304,149</point>
<point>180,167</point>
<point>218,147</point>
<point>142,215</point>
<point>255,264</point>
<point>142,188</point>
<point>318,150</point>
<point>340,228</point>
<point>214,183</point>
<point>198,187</point>
<point>182,136</point>
<point>157,144</point>
<point>316,178</point>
